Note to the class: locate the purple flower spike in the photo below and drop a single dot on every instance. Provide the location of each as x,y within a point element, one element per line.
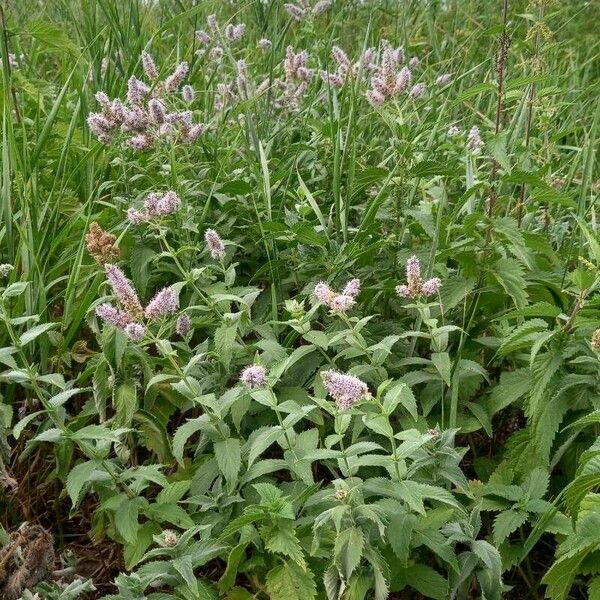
<point>254,376</point>
<point>164,303</point>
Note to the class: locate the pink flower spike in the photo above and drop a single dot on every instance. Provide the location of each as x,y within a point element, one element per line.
<point>135,217</point>
<point>344,389</point>
<point>109,314</point>
<point>413,268</point>
<point>341,303</point>
<point>323,292</point>
<point>403,291</point>
<point>135,331</point>
<point>164,303</point>
<point>431,286</point>
<point>123,290</point>
<point>183,325</point>
<point>352,288</point>
<point>254,376</point>
<point>215,244</point>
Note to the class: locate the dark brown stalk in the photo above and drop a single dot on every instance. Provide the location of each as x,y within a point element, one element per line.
<point>530,99</point>
<point>503,46</point>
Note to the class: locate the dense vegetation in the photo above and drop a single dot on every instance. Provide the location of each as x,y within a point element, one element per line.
<point>299,301</point>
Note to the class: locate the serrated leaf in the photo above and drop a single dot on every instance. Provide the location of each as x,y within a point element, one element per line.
<point>228,455</point>
<point>290,582</point>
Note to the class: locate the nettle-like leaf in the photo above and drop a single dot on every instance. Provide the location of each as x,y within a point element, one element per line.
<point>289,581</point>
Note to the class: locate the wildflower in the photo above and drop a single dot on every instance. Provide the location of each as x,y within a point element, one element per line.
<point>338,302</point>
<point>341,303</point>
<point>99,124</point>
<point>136,91</point>
<point>157,111</point>
<point>203,37</point>
<point>215,244</point>
<point>216,54</point>
<point>264,44</point>
<point>123,290</point>
<point>213,24</point>
<point>173,81</point>
<point>403,80</point>
<point>134,331</point>
<point>140,142</point>
<point>254,376</point>
<point>149,66</point>
<point>234,33</point>
<point>135,217</point>
<point>321,6</point>
<point>323,293</point>
<point>164,303</point>
<point>170,538</point>
<point>444,79</point>
<point>415,285</point>
<point>344,389</point>
<point>474,141</point>
<point>352,288</point>
<point>414,62</point>
<point>183,325</point>
<point>168,204</point>
<point>101,244</point>
<point>113,316</point>
<point>187,93</point>
<point>417,91</point>
<point>341,495</point>
<point>151,203</point>
<point>375,98</point>
<point>453,130</point>
<point>431,286</point>
<point>194,132</point>
<point>295,11</point>
<point>242,77</point>
<point>5,269</point>
<point>596,340</point>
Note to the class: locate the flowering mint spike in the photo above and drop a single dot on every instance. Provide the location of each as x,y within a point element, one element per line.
<point>149,66</point>
<point>124,291</point>
<point>134,331</point>
<point>345,389</point>
<point>164,303</point>
<point>431,286</point>
<point>352,288</point>
<point>215,244</point>
<point>254,376</point>
<point>109,314</point>
<point>183,325</point>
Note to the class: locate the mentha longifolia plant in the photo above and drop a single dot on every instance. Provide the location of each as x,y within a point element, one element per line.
<point>246,440</point>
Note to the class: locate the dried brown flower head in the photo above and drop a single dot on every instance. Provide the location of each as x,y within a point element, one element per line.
<point>101,245</point>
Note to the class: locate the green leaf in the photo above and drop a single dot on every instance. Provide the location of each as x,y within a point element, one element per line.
<point>125,403</point>
<point>261,439</point>
<point>227,580</point>
<point>228,455</point>
<point>126,519</point>
<point>507,522</point>
<point>399,533</point>
<point>183,565</point>
<point>34,332</point>
<point>78,477</point>
<point>224,340</point>
<point>184,432</point>
<point>348,550</point>
<point>425,580</point>
<point>509,274</point>
<point>400,394</point>
<point>290,582</point>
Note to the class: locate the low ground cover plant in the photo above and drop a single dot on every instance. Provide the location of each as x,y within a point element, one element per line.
<point>299,301</point>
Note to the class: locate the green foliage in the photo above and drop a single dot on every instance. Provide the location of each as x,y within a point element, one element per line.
<point>460,444</point>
